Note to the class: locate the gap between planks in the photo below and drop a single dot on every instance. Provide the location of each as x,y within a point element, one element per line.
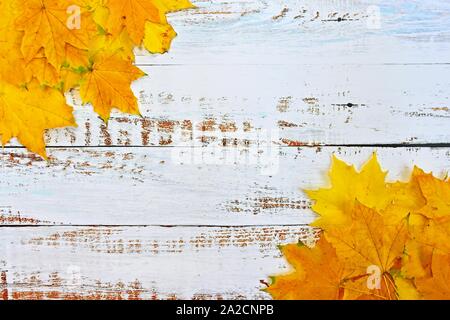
<point>149,226</point>
<point>305,145</point>
<point>295,64</point>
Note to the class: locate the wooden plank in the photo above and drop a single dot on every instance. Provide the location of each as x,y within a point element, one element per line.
<point>288,105</point>
<point>182,186</point>
<point>310,31</point>
<point>141,262</point>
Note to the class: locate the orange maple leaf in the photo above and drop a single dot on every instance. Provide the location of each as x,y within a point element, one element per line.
<point>107,85</point>
<point>400,230</point>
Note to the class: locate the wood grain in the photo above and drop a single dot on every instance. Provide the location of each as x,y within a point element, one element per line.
<point>276,32</point>
<point>141,262</point>
<point>286,105</point>
<point>184,186</point>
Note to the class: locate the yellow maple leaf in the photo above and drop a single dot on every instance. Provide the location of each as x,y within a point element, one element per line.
<point>417,259</point>
<point>176,5</point>
<point>317,274</point>
<point>121,45</point>
<point>435,234</point>
<point>11,61</point>
<point>64,44</point>
<point>322,274</point>
<point>335,204</point>
<point>406,199</point>
<point>158,37</point>
<point>39,68</point>
<point>406,289</point>
<point>367,242</point>
<point>27,113</point>
<point>437,287</point>
<point>106,85</point>
<point>98,9</point>
<point>133,15</point>
<point>379,230</point>
<point>46,25</point>
<point>437,195</point>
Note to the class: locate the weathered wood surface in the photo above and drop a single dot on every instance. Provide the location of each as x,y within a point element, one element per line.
<point>141,262</point>
<point>191,200</point>
<point>183,186</point>
<point>320,32</point>
<point>287,105</point>
<point>292,105</point>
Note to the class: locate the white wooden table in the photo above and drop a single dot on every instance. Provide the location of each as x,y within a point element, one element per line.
<point>191,200</point>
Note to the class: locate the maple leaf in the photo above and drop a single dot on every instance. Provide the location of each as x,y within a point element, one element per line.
<point>393,228</point>
<point>27,113</point>
<point>144,18</point>
<point>158,37</point>
<point>437,195</point>
<point>176,5</point>
<point>45,25</point>
<point>133,15</point>
<point>335,204</point>
<point>106,85</point>
<point>437,287</point>
<point>41,45</point>
<point>321,274</point>
<point>318,273</point>
<point>367,241</point>
<point>435,234</point>
<point>39,68</point>
<point>406,289</point>
<point>406,200</point>
<point>98,9</point>
<point>433,231</point>
<point>121,45</point>
<point>417,259</point>
<point>11,62</point>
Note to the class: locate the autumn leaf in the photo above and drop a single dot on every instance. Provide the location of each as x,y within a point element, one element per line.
<point>335,204</point>
<point>120,45</point>
<point>391,238</point>
<point>133,15</point>
<point>98,9</point>
<point>176,5</point>
<point>107,85</point>
<point>394,200</point>
<point>11,61</point>
<point>39,68</point>
<point>436,234</point>
<point>158,37</point>
<point>416,262</point>
<point>48,47</point>
<point>367,241</point>
<point>437,287</point>
<point>437,195</point>
<point>406,200</point>
<point>27,113</point>
<point>317,274</point>
<point>45,25</point>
